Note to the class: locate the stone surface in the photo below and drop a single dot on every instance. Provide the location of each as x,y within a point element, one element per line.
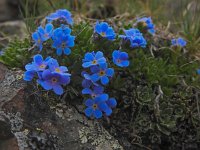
<point>9,10</point>
<point>12,29</point>
<point>33,124</point>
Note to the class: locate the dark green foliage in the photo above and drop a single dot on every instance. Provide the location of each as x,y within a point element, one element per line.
<point>16,54</point>
<point>158,99</point>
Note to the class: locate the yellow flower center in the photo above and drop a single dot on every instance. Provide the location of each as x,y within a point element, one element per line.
<point>118,60</point>
<point>63,45</point>
<point>42,66</point>
<point>54,80</point>
<point>94,62</point>
<point>46,35</point>
<point>93,96</point>
<point>94,106</point>
<point>102,72</point>
<point>57,70</point>
<point>144,24</point>
<point>38,40</point>
<point>103,33</point>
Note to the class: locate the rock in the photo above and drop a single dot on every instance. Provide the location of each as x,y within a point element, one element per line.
<point>3,71</point>
<point>9,10</point>
<point>12,29</point>
<point>33,124</point>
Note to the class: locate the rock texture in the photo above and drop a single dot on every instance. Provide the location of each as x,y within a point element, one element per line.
<point>9,10</point>
<point>27,122</point>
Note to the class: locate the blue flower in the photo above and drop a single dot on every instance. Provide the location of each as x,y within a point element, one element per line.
<point>120,58</point>
<point>92,59</point>
<point>105,30</point>
<point>51,80</point>
<point>37,65</point>
<point>97,90</point>
<point>198,71</point>
<point>38,40</point>
<point>147,24</point>
<point>112,103</point>
<point>62,40</point>
<point>29,75</point>
<point>62,15</point>
<point>178,42</point>
<point>45,33</point>
<point>54,67</point>
<point>95,107</point>
<point>101,73</point>
<point>87,82</point>
<point>135,37</point>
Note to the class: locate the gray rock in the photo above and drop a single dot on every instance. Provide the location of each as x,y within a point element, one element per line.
<point>36,125</point>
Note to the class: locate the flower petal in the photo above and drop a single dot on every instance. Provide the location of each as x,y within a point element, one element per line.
<point>67,51</point>
<point>58,89</point>
<point>95,77</point>
<point>59,51</point>
<point>125,63</point>
<point>110,72</point>
<point>86,91</point>
<point>46,85</point>
<point>28,75</point>
<point>38,59</point>
<point>89,102</point>
<point>112,102</point>
<point>86,64</point>
<point>97,114</point>
<point>103,107</point>
<point>88,112</point>
<point>104,80</point>
<point>49,28</point>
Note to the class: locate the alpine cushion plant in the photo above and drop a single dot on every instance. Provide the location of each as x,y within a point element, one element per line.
<point>62,14</point>
<point>120,58</point>
<point>104,30</point>
<point>146,24</point>
<point>178,42</point>
<point>135,37</point>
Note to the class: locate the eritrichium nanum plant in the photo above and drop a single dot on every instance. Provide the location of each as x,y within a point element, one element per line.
<point>57,38</point>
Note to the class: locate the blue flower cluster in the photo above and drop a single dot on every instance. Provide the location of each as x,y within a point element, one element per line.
<point>147,24</point>
<point>62,15</point>
<point>61,36</point>
<point>62,40</point>
<point>99,102</point>
<point>178,42</point>
<point>135,37</point>
<point>104,30</point>
<point>50,75</point>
